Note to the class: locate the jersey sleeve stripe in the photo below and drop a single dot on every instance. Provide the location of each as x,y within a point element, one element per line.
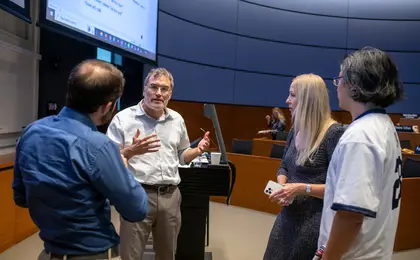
<point>343,207</point>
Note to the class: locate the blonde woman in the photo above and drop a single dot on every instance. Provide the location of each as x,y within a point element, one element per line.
<point>308,151</point>
<point>276,122</point>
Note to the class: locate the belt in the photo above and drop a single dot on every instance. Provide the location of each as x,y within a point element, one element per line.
<point>160,188</point>
<point>110,253</point>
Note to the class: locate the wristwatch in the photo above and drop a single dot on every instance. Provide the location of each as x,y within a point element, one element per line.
<point>308,188</point>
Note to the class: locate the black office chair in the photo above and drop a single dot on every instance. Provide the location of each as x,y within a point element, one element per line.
<point>282,136</point>
<point>241,146</point>
<point>277,151</point>
<point>411,168</point>
<point>195,143</point>
<point>405,144</point>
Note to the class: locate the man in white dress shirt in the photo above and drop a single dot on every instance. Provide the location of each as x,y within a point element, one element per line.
<point>156,170</point>
<point>363,187</point>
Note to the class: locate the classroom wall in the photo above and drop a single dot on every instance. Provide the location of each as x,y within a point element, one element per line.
<point>246,52</point>
<point>18,75</point>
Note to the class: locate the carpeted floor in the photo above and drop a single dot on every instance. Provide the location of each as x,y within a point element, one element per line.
<point>235,233</point>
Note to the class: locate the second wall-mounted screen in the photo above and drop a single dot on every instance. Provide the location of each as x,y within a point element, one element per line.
<point>19,8</point>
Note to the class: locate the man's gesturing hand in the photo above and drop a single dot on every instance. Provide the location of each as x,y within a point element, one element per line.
<point>148,144</point>
<point>204,144</point>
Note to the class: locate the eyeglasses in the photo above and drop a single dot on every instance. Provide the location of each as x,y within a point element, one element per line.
<point>336,80</point>
<point>155,88</point>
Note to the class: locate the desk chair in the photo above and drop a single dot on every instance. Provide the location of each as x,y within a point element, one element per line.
<point>411,168</point>
<point>405,144</point>
<point>241,146</point>
<point>195,143</point>
<point>282,136</point>
<point>277,151</point>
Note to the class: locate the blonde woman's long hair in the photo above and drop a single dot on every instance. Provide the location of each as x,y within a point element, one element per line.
<point>312,115</point>
<point>279,113</point>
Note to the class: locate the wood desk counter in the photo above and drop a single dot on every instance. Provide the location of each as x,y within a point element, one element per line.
<point>15,222</point>
<point>7,157</point>
<point>408,230</point>
<point>411,156</point>
<point>409,121</point>
<point>262,147</point>
<point>252,174</point>
<point>412,137</point>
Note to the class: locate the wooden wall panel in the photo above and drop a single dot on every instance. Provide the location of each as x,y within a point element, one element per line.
<point>241,122</point>
<point>412,137</point>
<point>24,226</point>
<point>15,224</point>
<point>409,121</point>
<point>263,147</point>
<point>7,160</point>
<point>252,174</point>
<point>7,218</point>
<point>407,236</point>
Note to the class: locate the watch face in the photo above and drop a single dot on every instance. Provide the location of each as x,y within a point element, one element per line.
<point>308,188</point>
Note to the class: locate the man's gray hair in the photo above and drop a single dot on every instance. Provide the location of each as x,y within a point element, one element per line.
<point>157,73</point>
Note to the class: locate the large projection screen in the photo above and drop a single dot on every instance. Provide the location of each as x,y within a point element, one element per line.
<point>128,27</point>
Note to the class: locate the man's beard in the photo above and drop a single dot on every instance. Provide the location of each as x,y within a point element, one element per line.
<point>157,107</point>
<point>106,119</point>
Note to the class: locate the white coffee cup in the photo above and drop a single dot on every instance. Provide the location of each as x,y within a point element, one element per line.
<point>215,158</point>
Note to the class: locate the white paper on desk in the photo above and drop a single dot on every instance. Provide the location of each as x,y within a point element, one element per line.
<point>200,159</point>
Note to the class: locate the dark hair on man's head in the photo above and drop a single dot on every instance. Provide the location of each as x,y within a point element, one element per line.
<point>372,77</point>
<point>93,83</point>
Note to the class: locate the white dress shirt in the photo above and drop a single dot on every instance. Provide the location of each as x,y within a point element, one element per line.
<point>156,168</point>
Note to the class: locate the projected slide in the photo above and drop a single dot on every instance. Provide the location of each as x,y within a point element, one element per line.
<point>127,24</point>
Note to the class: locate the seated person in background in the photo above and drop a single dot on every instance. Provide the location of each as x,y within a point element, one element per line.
<point>363,191</point>
<point>309,147</point>
<point>65,170</point>
<point>277,123</point>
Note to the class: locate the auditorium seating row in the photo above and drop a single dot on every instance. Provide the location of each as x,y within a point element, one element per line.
<point>259,146</point>
<point>266,147</point>
<point>253,172</point>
